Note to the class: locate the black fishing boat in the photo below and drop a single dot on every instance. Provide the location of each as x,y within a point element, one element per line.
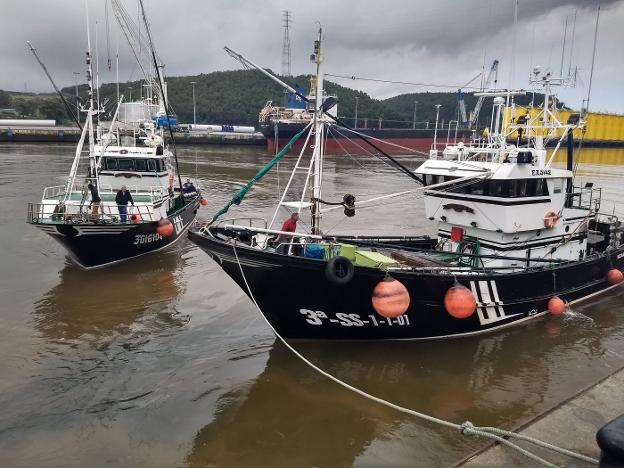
<point>127,203</point>
<point>516,239</point>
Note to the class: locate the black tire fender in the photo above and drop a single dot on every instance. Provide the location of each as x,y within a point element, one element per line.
<point>339,271</point>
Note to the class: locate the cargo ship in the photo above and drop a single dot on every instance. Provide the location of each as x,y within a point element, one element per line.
<point>280,124</point>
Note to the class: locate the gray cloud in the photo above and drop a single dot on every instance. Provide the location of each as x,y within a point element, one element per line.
<point>441,41</point>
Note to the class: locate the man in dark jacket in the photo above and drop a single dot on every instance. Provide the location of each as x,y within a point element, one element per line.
<point>122,198</point>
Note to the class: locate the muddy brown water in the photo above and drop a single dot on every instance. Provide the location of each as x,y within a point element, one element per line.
<point>163,361</point>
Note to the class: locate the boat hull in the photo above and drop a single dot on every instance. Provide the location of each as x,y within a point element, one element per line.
<point>97,245</point>
<point>298,300</point>
<point>339,144</point>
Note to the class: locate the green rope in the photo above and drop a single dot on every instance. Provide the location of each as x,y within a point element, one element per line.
<point>238,197</point>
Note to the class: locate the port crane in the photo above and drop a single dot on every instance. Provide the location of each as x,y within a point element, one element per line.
<point>492,74</point>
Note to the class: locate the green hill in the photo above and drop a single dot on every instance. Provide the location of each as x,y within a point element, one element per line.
<point>235,98</point>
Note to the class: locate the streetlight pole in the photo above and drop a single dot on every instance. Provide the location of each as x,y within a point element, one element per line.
<point>415,108</point>
<point>435,132</point>
<point>77,104</point>
<point>194,119</point>
<point>357,98</point>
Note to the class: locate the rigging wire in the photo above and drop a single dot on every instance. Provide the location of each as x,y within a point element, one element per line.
<point>409,83</point>
<point>162,91</point>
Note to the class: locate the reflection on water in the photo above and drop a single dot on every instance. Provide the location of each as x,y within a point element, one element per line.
<point>164,362</point>
<point>104,301</point>
<point>500,380</point>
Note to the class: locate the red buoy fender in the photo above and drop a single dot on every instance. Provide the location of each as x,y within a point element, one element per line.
<point>459,301</point>
<point>390,298</point>
<point>556,306</point>
<point>615,276</point>
<point>203,201</point>
<point>164,228</point>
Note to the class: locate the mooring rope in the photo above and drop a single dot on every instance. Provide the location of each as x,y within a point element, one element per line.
<point>466,428</point>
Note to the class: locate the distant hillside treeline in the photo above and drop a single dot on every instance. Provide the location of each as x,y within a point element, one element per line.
<point>235,97</point>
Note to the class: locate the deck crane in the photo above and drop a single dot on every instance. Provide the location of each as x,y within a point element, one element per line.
<point>492,74</point>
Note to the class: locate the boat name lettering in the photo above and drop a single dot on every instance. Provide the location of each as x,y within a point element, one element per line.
<point>146,238</point>
<point>532,312</point>
<point>317,317</point>
<point>620,255</point>
<point>539,172</point>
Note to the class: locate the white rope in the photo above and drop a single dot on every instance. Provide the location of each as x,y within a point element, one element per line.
<point>467,428</point>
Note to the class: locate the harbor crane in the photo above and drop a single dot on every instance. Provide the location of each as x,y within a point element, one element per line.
<point>492,74</point>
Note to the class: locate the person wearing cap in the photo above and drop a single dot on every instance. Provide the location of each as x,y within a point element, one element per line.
<point>122,198</point>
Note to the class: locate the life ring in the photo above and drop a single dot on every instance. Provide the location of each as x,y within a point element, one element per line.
<point>339,271</point>
<point>550,219</point>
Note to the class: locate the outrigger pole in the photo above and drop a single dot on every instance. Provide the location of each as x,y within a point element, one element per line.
<point>45,70</point>
<point>249,64</point>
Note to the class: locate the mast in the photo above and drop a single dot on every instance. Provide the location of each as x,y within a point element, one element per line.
<point>93,176</point>
<point>318,141</point>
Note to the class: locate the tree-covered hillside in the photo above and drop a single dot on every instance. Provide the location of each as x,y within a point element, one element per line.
<point>236,97</point>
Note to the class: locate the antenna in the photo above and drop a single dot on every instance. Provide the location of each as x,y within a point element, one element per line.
<point>572,45</point>
<point>286,20</point>
<point>565,36</point>
<point>591,73</point>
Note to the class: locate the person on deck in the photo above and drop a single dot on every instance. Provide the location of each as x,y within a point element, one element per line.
<point>59,211</point>
<point>95,200</point>
<point>188,187</point>
<point>290,225</point>
<point>122,198</point>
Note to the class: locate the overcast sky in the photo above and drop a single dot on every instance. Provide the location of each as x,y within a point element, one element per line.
<point>424,41</point>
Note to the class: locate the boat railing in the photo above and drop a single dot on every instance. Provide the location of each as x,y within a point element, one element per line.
<point>44,213</point>
<point>587,197</point>
<point>54,191</point>
<point>251,222</point>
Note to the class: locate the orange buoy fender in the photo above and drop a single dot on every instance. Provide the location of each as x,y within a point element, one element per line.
<point>459,301</point>
<point>165,228</point>
<point>390,298</point>
<point>203,201</point>
<point>556,306</point>
<point>550,219</point>
<point>136,218</point>
<point>615,276</point>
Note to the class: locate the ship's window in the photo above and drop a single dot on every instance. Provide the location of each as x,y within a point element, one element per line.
<point>522,188</point>
<point>140,165</point>
<point>110,163</point>
<point>497,188</point>
<point>161,165</point>
<point>125,164</point>
<point>541,188</point>
<point>428,179</point>
<point>151,165</point>
<point>476,188</point>
<point>558,185</point>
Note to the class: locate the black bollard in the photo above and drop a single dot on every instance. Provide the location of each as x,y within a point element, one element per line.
<point>610,439</point>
